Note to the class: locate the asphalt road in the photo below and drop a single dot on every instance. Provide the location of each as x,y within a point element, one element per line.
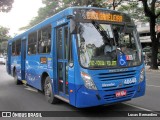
<point>24,98</point>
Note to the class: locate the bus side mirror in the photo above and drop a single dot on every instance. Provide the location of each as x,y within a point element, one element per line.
<point>72,26</point>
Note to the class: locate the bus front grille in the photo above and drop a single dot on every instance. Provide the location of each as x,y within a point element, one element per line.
<point>116,76</point>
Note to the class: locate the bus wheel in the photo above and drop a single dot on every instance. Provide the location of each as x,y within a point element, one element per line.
<point>18,82</point>
<point>48,91</point>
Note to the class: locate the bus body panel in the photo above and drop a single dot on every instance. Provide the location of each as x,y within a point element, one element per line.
<point>107,95</point>
<point>35,69</point>
<point>87,98</point>
<point>78,94</point>
<point>73,74</point>
<point>16,65</point>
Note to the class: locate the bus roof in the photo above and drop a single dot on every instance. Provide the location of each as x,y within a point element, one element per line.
<point>60,15</point>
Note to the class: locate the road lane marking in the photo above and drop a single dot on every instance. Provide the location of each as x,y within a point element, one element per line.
<point>153,85</point>
<point>141,108</point>
<point>137,107</point>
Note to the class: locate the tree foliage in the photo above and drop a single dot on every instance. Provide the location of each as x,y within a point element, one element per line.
<point>153,14</point>
<point>134,10</point>
<point>52,7</point>
<point>4,33</point>
<point>95,3</point>
<point>112,4</point>
<point>6,5</point>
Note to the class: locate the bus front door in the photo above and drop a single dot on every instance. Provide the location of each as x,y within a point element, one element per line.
<point>62,60</point>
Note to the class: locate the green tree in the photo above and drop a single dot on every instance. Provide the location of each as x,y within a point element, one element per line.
<point>153,14</point>
<point>6,5</point>
<point>134,10</point>
<point>4,33</point>
<point>52,7</point>
<point>112,4</point>
<point>94,3</point>
<point>3,36</point>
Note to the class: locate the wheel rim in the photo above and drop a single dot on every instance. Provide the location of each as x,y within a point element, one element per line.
<point>48,90</point>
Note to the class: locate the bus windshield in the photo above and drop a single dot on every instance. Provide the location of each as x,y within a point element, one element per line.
<point>108,45</point>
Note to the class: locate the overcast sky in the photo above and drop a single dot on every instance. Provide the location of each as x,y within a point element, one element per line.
<point>20,15</point>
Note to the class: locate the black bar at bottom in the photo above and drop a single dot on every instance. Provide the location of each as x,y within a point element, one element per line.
<point>82,113</point>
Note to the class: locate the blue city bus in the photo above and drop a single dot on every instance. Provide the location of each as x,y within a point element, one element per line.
<point>85,56</point>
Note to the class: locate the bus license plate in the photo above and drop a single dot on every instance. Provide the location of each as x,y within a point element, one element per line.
<point>121,93</point>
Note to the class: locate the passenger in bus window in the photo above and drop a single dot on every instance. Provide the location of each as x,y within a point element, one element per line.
<point>41,44</point>
<point>34,49</point>
<point>49,42</point>
<point>109,47</point>
<point>13,53</point>
<point>123,48</point>
<point>29,51</point>
<point>44,46</point>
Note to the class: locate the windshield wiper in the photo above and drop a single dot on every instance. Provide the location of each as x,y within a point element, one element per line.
<point>100,29</point>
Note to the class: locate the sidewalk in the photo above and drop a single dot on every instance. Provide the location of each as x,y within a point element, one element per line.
<point>147,69</point>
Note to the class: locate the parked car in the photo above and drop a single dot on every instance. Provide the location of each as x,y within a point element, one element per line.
<point>2,60</point>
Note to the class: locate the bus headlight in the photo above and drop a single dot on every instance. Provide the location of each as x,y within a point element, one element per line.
<point>88,82</point>
<point>141,78</point>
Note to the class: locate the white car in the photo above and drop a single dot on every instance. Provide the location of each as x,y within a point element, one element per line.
<point>2,60</point>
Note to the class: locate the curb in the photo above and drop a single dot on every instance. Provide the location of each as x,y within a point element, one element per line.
<point>151,70</point>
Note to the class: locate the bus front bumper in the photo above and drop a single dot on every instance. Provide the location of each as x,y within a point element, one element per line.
<point>89,98</point>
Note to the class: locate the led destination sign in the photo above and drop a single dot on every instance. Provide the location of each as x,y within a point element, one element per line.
<point>100,15</point>
<point>103,16</point>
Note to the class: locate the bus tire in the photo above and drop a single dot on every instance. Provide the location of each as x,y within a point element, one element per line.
<point>49,95</point>
<point>18,82</point>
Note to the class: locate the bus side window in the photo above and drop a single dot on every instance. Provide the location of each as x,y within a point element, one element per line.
<point>44,40</point>
<point>32,41</point>
<point>18,47</point>
<point>13,48</point>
